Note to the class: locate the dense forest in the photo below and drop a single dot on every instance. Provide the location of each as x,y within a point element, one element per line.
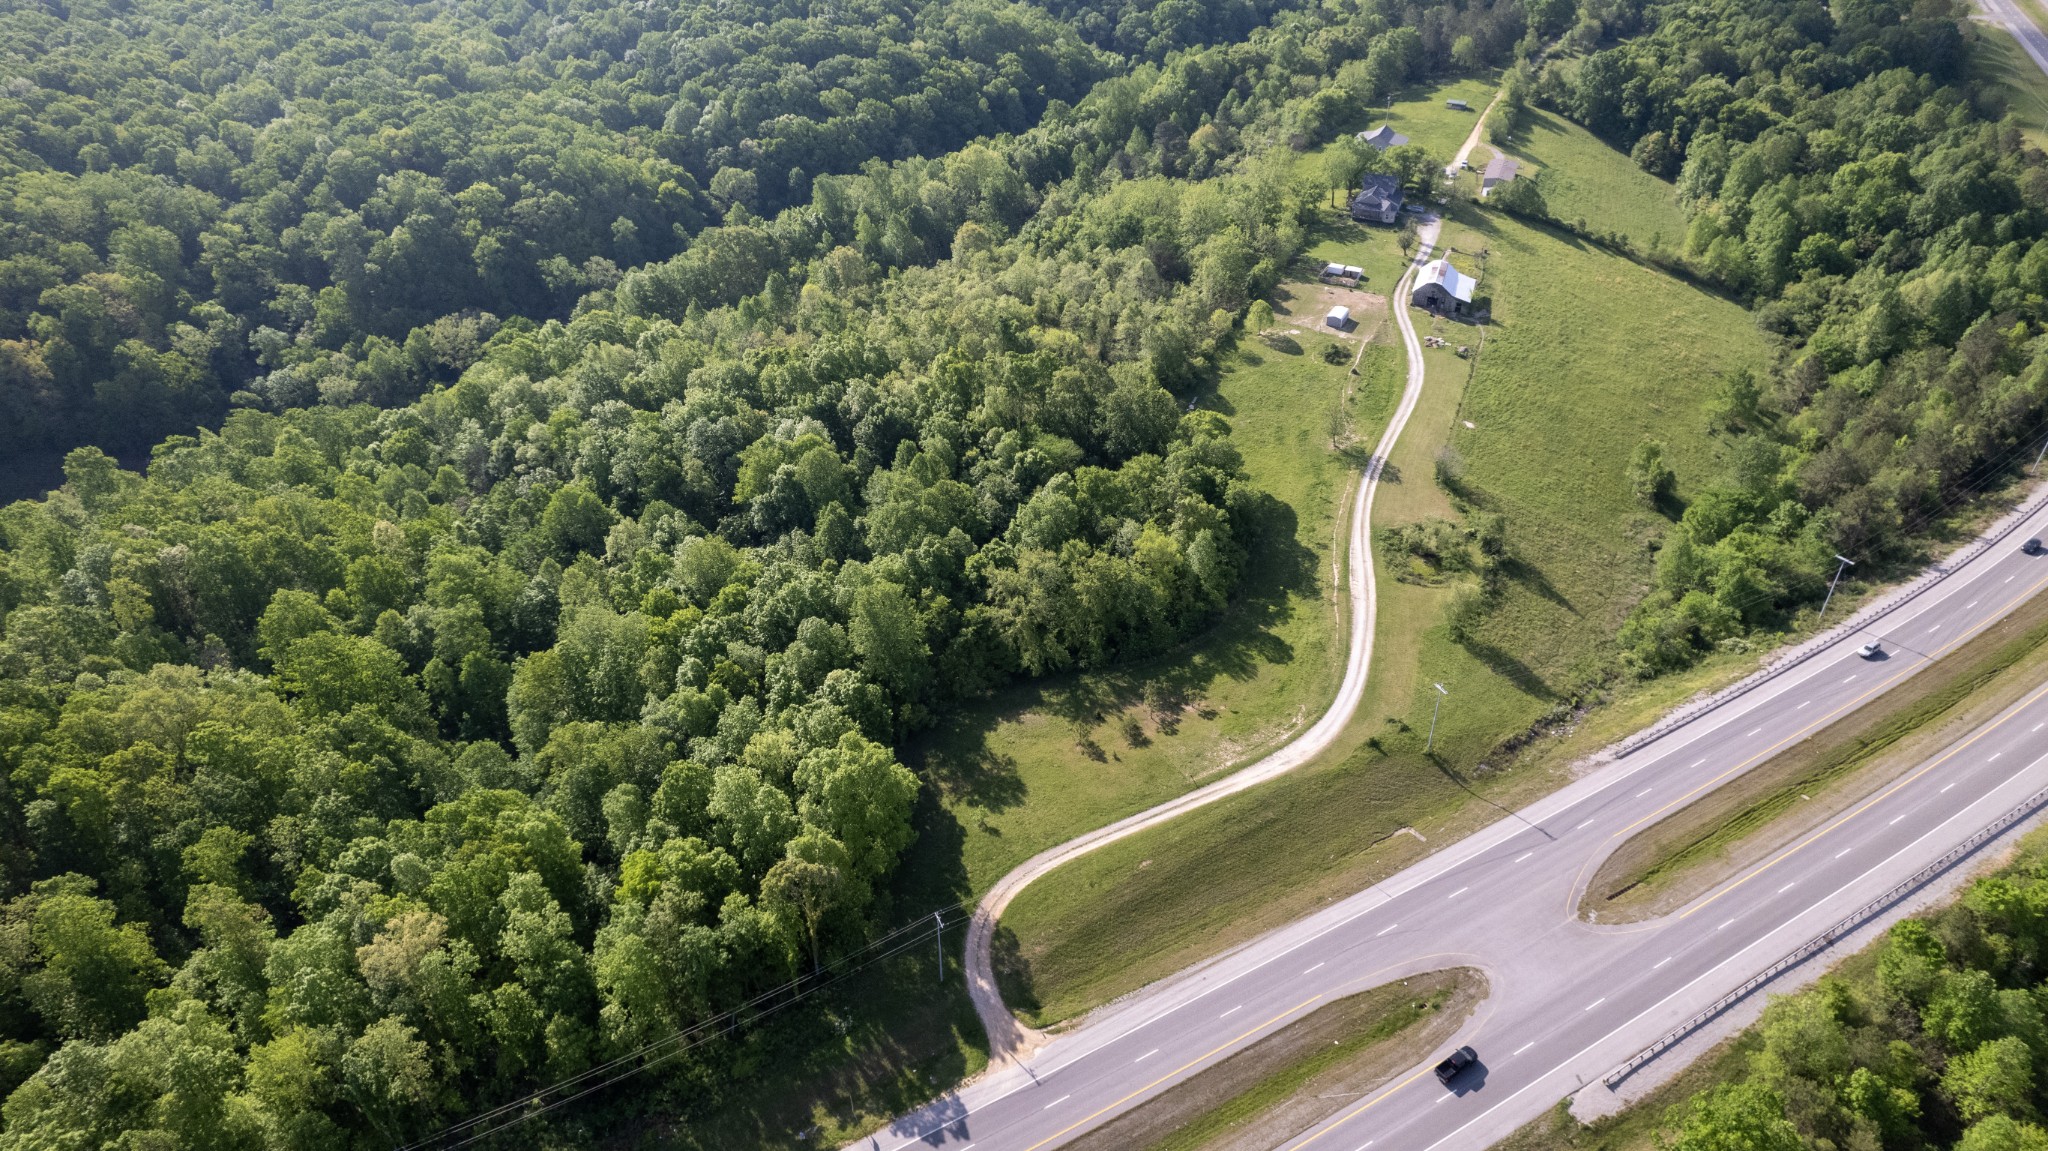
<point>1840,178</point>
<point>646,418</point>
<point>369,763</point>
<point>1938,1048</point>
<point>285,203</point>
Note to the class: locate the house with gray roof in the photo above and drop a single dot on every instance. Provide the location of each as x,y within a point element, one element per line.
<point>1378,200</point>
<point>1383,137</point>
<point>1499,170</point>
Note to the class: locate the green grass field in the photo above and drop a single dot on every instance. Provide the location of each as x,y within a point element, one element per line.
<point>1420,114</point>
<point>1583,178</point>
<point>1693,849</point>
<point>2035,10</point>
<point>1374,247</point>
<point>1558,395</point>
<point>1637,1127</point>
<point>1012,779</point>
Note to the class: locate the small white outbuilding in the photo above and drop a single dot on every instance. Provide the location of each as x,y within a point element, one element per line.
<point>1339,318</point>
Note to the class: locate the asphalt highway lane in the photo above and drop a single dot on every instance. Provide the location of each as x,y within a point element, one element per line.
<point>1567,1000</point>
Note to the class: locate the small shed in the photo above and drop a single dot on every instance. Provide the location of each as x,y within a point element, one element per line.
<point>1383,137</point>
<point>1457,105</point>
<point>1350,273</point>
<point>1441,288</point>
<point>1339,318</point>
<point>1499,170</point>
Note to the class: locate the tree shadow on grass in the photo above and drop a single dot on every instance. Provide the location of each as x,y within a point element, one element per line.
<point>1464,783</point>
<point>1526,574</point>
<point>885,1040</point>
<point>1502,663</point>
<point>1013,971</point>
<point>957,758</point>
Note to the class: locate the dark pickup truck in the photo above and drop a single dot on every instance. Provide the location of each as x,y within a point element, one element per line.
<point>1455,1063</point>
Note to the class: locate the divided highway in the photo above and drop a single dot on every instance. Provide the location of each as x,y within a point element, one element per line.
<point>1568,1000</point>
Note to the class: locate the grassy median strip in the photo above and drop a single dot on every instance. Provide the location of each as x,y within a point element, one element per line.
<point>1302,1073</point>
<point>1687,852</point>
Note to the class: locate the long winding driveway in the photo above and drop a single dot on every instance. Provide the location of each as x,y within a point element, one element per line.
<point>1007,1037</point>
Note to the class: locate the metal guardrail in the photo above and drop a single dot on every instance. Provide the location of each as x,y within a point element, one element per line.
<point>1816,644</point>
<point>1826,939</point>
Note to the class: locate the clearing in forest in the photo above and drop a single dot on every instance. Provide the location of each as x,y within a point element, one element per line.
<point>1558,394</point>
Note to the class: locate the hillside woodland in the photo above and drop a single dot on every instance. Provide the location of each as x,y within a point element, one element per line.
<point>368,764</point>
<point>644,419</point>
<point>207,203</point>
<point>1839,177</point>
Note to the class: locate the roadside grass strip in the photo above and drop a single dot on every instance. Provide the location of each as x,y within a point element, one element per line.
<point>1295,1077</point>
<point>1673,860</point>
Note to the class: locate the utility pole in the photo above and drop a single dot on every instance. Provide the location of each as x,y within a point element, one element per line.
<point>2038,455</point>
<point>939,941</point>
<point>1433,713</point>
<point>1845,565</point>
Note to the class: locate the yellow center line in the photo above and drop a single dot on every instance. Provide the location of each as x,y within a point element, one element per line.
<point>1363,1108</point>
<point>1163,1078</point>
<point>1880,798</point>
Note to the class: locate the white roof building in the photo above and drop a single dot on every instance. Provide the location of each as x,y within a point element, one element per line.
<point>1339,318</point>
<point>1439,272</point>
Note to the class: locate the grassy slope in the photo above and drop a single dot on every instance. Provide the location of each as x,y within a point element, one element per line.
<point>1421,116</point>
<point>1015,776</point>
<point>2035,10</point>
<point>1559,397</point>
<point>1695,848</point>
<point>1013,780</point>
<point>2012,75</point>
<point>1584,178</point>
<point>1418,113</point>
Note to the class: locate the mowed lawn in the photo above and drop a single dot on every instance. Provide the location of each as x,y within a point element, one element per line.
<point>1045,762</point>
<point>1421,115</point>
<point>1584,179</point>
<point>1590,353</point>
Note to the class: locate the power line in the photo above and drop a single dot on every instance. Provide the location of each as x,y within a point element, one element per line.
<point>648,1055</point>
<point>725,1028</point>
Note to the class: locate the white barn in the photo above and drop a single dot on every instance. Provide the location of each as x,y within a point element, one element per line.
<point>1442,288</point>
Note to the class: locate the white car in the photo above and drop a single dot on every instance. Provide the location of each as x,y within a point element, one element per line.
<point>1871,650</point>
